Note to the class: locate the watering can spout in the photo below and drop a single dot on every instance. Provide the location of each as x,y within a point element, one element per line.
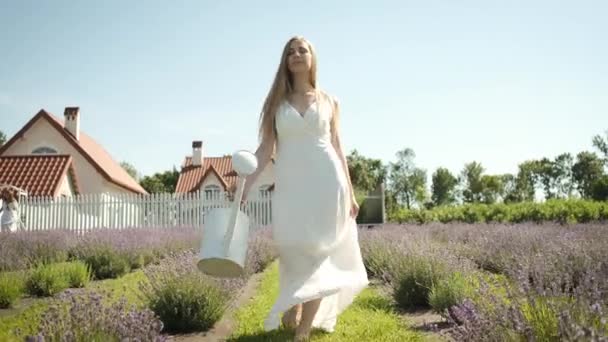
<point>226,230</point>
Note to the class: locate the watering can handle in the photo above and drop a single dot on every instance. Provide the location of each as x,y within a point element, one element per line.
<point>234,213</point>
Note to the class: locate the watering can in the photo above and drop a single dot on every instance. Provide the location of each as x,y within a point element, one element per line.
<point>226,231</point>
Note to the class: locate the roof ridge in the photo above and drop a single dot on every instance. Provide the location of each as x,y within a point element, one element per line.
<point>42,155</point>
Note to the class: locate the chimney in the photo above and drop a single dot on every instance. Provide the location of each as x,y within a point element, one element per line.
<point>197,153</point>
<point>72,121</point>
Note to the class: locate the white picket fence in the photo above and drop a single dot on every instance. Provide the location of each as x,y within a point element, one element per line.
<point>119,211</point>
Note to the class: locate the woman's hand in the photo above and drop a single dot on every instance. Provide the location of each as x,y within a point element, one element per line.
<point>354,207</point>
<point>244,197</point>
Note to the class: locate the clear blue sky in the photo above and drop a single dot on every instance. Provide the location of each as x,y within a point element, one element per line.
<point>493,81</point>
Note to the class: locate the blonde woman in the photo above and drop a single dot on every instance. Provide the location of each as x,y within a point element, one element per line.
<point>8,215</point>
<point>314,206</point>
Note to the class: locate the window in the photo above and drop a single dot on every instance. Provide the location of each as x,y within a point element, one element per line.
<point>44,150</point>
<point>212,191</point>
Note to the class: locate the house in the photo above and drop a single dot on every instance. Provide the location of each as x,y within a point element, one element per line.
<point>214,175</point>
<point>53,157</point>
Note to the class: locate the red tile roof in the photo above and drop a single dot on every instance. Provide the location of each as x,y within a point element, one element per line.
<point>39,175</point>
<point>191,177</point>
<point>89,148</point>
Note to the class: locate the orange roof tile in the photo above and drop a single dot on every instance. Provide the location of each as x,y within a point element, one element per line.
<point>90,149</point>
<point>191,177</point>
<point>39,175</point>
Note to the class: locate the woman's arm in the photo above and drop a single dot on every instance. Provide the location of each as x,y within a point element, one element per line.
<point>337,143</point>
<point>263,155</point>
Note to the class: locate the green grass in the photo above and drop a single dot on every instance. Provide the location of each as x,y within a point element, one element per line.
<point>27,320</point>
<point>369,318</point>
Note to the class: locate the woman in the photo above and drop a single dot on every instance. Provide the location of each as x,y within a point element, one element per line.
<point>9,210</point>
<point>314,206</point>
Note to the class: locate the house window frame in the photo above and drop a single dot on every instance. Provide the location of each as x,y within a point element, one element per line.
<point>45,149</point>
<point>211,189</point>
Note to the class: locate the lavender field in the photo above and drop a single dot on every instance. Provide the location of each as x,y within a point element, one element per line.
<point>496,282</point>
<point>80,283</point>
<point>490,282</point>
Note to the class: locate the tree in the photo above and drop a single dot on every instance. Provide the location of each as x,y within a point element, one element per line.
<point>509,183</point>
<point>523,186</point>
<point>390,202</point>
<point>131,170</point>
<point>365,173</point>
<point>443,187</point>
<point>161,182</point>
<point>562,168</point>
<point>407,182</point>
<point>599,189</point>
<point>554,176</point>
<point>544,174</point>
<point>153,185</point>
<point>601,144</point>
<point>470,180</point>
<point>586,171</point>
<point>493,188</point>
<point>2,138</point>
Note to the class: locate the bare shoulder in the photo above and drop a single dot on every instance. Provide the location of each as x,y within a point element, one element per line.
<point>332,99</point>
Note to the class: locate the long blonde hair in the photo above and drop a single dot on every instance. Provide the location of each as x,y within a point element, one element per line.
<point>281,87</point>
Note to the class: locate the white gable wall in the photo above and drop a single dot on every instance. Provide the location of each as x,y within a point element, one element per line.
<point>65,189</point>
<point>264,179</point>
<point>211,179</point>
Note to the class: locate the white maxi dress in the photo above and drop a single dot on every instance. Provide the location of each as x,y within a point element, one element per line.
<point>317,239</point>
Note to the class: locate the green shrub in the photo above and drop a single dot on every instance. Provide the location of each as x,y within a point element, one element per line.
<point>377,257</point>
<point>188,303</point>
<point>78,274</point>
<point>414,278</point>
<point>47,280</point>
<point>499,213</point>
<point>12,285</point>
<point>136,260</point>
<point>542,317</point>
<point>106,263</point>
<point>449,291</point>
<point>474,213</point>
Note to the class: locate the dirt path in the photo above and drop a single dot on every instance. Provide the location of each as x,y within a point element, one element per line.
<point>222,329</point>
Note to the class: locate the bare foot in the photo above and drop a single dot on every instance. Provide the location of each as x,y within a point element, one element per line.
<point>309,310</point>
<point>302,336</point>
<point>302,333</point>
<point>291,318</point>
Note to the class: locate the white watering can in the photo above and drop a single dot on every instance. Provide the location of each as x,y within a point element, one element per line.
<point>226,230</point>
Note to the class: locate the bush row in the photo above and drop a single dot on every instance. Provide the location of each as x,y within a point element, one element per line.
<point>561,211</point>
<point>134,247</point>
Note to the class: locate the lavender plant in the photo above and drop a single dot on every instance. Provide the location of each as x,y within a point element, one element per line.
<point>46,280</point>
<point>261,250</point>
<point>185,299</point>
<point>82,316</point>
